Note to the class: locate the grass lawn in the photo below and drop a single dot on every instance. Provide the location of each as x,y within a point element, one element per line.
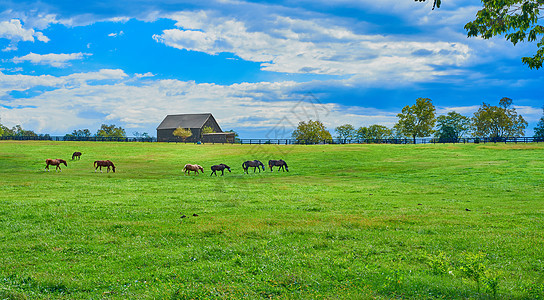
<point>347,222</point>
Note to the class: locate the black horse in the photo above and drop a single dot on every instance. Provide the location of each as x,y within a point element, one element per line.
<point>278,163</point>
<point>76,155</point>
<point>219,167</point>
<point>253,163</point>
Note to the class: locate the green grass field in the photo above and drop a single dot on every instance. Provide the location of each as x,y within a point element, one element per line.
<point>347,222</point>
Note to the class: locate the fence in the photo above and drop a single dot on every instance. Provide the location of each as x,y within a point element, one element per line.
<point>293,141</point>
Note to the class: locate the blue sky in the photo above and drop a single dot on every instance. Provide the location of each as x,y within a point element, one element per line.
<point>259,67</point>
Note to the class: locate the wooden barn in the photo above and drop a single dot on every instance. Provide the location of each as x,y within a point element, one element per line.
<point>195,123</point>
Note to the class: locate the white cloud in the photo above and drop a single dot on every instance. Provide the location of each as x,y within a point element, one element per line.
<point>70,102</point>
<point>309,46</point>
<point>148,74</point>
<point>13,30</point>
<point>54,60</point>
<point>19,82</point>
<point>116,34</point>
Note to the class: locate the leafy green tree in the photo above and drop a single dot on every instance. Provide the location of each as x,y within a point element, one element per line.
<point>374,132</point>
<point>81,133</point>
<point>183,133</point>
<point>111,131</point>
<point>379,132</point>
<point>452,126</point>
<point>539,129</point>
<point>361,133</point>
<point>498,121</point>
<point>346,131</point>
<point>19,131</point>
<point>207,129</point>
<point>417,120</point>
<point>517,20</point>
<point>311,131</point>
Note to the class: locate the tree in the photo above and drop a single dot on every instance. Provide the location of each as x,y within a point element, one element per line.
<point>539,129</point>
<point>183,133</point>
<point>19,131</point>
<point>111,131</point>
<point>362,133</point>
<point>417,120</point>
<point>346,131</point>
<point>311,132</point>
<point>207,129</point>
<point>374,132</point>
<point>498,121</point>
<point>451,127</point>
<point>517,20</point>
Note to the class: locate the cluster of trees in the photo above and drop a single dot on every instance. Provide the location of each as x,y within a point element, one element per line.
<point>489,121</point>
<point>110,131</point>
<point>419,120</point>
<point>16,131</point>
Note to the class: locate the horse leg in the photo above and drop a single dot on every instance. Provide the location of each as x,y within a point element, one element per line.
<point>222,172</point>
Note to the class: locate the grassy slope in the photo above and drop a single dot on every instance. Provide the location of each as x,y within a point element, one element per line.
<point>348,221</point>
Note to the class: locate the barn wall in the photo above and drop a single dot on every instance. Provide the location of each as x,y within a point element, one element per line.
<point>167,135</point>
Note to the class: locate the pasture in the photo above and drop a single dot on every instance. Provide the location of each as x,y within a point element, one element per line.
<point>346,222</point>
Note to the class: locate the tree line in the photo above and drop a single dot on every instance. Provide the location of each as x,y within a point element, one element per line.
<point>419,120</point>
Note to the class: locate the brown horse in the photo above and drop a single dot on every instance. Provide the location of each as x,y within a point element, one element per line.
<point>189,167</point>
<point>219,167</point>
<point>255,164</point>
<point>76,155</point>
<point>104,163</point>
<point>278,163</point>
<point>54,162</point>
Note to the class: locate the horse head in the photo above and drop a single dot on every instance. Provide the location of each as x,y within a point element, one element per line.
<point>200,168</point>
<point>62,161</point>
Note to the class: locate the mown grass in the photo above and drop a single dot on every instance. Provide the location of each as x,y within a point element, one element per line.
<point>347,221</point>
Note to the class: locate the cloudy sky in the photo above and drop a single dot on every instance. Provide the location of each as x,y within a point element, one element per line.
<point>259,67</point>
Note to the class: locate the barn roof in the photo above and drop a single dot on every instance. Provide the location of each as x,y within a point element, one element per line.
<point>184,121</point>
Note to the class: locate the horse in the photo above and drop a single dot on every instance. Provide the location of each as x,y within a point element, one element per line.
<point>219,167</point>
<point>278,163</point>
<point>76,154</point>
<point>104,163</point>
<point>54,162</point>
<point>253,163</point>
<point>189,167</point>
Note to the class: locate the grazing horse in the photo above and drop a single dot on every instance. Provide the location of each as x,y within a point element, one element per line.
<point>219,167</point>
<point>54,162</point>
<point>104,163</point>
<point>189,167</point>
<point>278,163</point>
<point>252,163</point>
<point>76,154</point>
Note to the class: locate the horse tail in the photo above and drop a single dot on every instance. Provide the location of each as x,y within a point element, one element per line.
<point>95,162</point>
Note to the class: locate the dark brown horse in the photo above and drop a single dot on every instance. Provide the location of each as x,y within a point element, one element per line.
<point>189,167</point>
<point>54,162</point>
<point>278,163</point>
<point>219,167</point>
<point>76,155</point>
<point>104,163</point>
<point>252,163</point>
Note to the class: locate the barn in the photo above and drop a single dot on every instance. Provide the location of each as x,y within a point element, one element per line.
<point>195,123</point>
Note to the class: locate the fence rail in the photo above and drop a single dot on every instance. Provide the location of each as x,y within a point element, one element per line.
<point>291,141</point>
